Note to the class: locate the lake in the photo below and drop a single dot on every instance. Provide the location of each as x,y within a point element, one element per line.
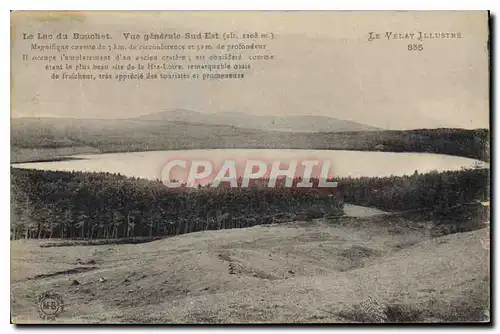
<point>149,165</point>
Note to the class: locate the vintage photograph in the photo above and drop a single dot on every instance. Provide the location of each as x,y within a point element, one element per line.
<point>250,167</point>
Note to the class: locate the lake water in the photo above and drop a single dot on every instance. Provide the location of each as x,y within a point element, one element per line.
<point>150,165</point>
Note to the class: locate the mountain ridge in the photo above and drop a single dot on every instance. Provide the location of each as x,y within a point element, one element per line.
<point>300,123</point>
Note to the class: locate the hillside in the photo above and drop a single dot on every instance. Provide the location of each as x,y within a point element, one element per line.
<point>354,270</point>
<point>307,123</point>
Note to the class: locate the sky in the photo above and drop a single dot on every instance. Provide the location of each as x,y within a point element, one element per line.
<point>324,65</point>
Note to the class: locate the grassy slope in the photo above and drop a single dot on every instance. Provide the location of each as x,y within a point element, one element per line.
<point>364,269</point>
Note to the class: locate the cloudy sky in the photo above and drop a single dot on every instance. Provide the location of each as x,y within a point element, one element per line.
<point>324,66</point>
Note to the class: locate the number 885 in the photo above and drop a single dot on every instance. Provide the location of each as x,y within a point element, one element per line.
<point>415,47</point>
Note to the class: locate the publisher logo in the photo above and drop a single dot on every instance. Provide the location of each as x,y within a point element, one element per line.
<point>50,305</point>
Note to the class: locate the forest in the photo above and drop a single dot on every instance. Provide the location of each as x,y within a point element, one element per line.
<point>79,205</point>
<point>73,205</point>
<point>439,191</point>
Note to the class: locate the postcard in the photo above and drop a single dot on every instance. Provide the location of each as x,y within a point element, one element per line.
<point>243,167</point>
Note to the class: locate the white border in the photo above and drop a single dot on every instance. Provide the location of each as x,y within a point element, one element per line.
<point>492,5</point>
<point>257,5</point>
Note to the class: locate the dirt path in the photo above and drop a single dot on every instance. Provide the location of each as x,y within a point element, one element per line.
<point>359,211</point>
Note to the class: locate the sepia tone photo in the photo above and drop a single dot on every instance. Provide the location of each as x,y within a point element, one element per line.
<point>250,167</point>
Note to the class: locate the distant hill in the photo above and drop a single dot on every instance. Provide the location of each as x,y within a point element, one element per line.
<point>242,120</point>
